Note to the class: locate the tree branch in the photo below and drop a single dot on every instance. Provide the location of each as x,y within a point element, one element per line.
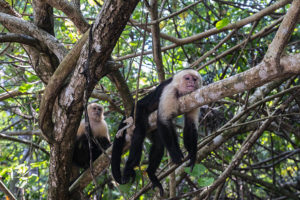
<point>28,28</point>
<point>252,78</point>
<point>72,12</point>
<point>20,38</point>
<point>6,137</point>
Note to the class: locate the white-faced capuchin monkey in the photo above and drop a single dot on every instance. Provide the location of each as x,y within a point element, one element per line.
<point>164,99</point>
<point>81,155</point>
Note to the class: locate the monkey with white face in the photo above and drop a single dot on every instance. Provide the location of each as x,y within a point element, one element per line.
<point>164,99</point>
<point>81,155</point>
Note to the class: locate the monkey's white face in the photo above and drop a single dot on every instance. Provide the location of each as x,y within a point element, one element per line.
<point>191,82</point>
<point>188,82</point>
<point>95,111</point>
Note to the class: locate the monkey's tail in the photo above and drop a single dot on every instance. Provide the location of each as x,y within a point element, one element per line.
<point>117,152</point>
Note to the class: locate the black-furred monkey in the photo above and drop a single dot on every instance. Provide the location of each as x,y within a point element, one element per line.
<point>164,99</point>
<point>81,155</point>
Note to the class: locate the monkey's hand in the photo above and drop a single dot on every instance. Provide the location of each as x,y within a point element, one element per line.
<point>129,122</point>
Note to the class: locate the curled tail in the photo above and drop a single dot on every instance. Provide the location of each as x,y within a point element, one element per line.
<point>116,155</point>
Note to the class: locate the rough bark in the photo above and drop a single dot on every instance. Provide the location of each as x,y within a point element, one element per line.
<point>68,109</point>
<point>117,78</point>
<point>155,30</point>
<point>72,11</point>
<point>41,61</point>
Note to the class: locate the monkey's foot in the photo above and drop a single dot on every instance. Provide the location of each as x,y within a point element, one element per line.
<point>128,175</point>
<point>176,157</point>
<point>192,162</point>
<point>155,183</point>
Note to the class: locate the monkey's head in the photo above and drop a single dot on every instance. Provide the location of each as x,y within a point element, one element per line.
<point>95,111</point>
<point>187,81</point>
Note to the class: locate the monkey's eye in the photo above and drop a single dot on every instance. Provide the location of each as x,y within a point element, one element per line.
<point>195,79</point>
<point>94,108</point>
<point>187,78</point>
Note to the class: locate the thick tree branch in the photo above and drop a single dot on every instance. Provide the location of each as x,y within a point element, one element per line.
<point>55,85</point>
<point>43,16</point>
<point>283,35</point>
<point>252,78</point>
<point>107,29</point>
<point>19,38</point>
<point>156,47</point>
<point>72,12</point>
<point>120,83</point>
<point>42,62</point>
<point>30,29</point>
<point>265,72</point>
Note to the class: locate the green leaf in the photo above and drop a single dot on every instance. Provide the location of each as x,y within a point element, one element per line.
<point>222,23</point>
<point>198,170</point>
<point>203,182</point>
<point>125,188</point>
<point>25,87</point>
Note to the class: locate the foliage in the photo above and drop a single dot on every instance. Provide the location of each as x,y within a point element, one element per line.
<point>274,158</point>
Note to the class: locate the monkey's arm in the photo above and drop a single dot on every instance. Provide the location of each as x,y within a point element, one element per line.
<point>169,138</point>
<point>190,135</point>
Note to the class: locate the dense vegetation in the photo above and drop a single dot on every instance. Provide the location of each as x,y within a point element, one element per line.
<point>249,128</point>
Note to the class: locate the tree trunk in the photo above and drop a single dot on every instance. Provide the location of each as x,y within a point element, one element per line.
<point>69,103</point>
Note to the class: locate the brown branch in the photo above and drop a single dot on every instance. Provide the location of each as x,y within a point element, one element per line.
<point>105,97</point>
<point>72,12</point>
<point>246,146</point>
<point>156,48</point>
<point>208,53</point>
<point>236,25</point>
<point>250,179</point>
<point>229,51</point>
<point>55,84</point>
<point>20,38</point>
<point>43,16</point>
<point>22,133</point>
<point>213,31</point>
<point>283,35</point>
<point>6,191</point>
<point>252,78</point>
<point>106,31</point>
<point>30,29</point>
<point>6,137</point>
<point>123,89</point>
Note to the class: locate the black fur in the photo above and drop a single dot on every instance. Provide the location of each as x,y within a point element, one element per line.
<point>145,107</point>
<point>81,155</point>
<point>117,150</point>
<point>164,135</point>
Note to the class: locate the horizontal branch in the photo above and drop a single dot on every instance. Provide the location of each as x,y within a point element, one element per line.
<point>19,38</point>
<point>29,28</point>
<point>213,31</point>
<point>252,78</point>
<point>6,137</point>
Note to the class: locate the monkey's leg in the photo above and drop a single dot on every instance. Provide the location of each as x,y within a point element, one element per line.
<point>136,147</point>
<point>169,138</point>
<point>190,137</point>
<point>155,156</point>
<point>116,155</point>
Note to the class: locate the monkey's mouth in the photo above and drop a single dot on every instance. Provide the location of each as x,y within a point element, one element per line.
<point>190,87</point>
